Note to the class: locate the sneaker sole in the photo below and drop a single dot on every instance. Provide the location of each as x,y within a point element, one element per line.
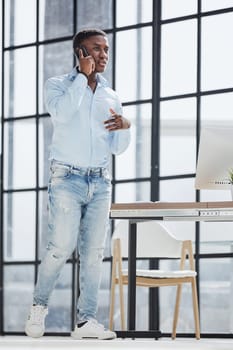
<point>29,334</point>
<point>80,337</point>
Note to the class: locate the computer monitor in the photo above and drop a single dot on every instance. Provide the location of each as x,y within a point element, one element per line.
<point>215,158</point>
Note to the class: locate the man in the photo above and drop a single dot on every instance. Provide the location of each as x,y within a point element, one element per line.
<point>88,129</point>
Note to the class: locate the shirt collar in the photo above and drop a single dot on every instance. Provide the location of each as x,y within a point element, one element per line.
<point>100,79</point>
<point>72,75</point>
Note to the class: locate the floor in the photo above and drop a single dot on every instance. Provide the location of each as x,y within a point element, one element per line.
<point>64,343</point>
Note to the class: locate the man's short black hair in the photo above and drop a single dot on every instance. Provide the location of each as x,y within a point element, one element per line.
<point>84,34</point>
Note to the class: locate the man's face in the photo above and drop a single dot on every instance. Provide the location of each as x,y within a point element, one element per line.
<point>97,47</point>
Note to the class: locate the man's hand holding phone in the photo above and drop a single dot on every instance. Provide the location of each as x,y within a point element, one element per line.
<point>116,122</point>
<point>86,62</point>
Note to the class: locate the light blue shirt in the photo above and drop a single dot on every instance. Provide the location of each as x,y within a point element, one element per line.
<point>79,134</point>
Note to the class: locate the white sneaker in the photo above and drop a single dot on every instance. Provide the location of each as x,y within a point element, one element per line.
<point>92,330</point>
<point>35,323</point>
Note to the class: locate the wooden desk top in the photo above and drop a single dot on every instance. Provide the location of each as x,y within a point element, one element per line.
<point>171,205</point>
<point>196,211</point>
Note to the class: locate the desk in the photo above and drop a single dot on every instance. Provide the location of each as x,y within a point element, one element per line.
<point>185,211</point>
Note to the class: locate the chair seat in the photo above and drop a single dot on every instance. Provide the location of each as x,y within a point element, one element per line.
<point>153,241</point>
<point>163,274</point>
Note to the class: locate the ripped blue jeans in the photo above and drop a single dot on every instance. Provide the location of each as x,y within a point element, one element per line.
<point>79,203</point>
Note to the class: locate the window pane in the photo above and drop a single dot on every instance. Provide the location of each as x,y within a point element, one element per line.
<point>55,59</point>
<point>217,109</point>
<point>210,5</point>
<point>216,237</point>
<point>93,13</point>
<point>131,192</point>
<point>216,295</point>
<point>19,226</point>
<point>107,74</point>
<point>43,222</point>
<point>133,76</point>
<point>20,82</point>
<point>178,8</point>
<point>45,138</point>
<point>56,18</point>
<point>180,190</point>
<point>20,154</point>
<point>18,290</point>
<point>20,22</point>
<point>217,54</point>
<point>182,108</point>
<point>178,58</point>
<point>178,131</point>
<point>133,11</point>
<point>135,161</point>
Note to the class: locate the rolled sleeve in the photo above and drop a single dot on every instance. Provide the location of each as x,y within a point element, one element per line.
<point>63,101</point>
<point>120,141</point>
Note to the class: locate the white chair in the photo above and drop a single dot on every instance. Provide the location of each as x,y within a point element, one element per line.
<point>153,241</point>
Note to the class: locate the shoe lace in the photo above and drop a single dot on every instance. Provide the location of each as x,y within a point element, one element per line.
<point>37,314</point>
<point>96,324</point>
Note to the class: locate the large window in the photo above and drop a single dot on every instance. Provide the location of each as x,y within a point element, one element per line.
<point>171,64</point>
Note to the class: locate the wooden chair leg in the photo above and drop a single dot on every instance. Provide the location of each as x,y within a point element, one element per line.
<point>122,309</point>
<point>117,263</point>
<point>121,291</point>
<point>112,293</point>
<point>111,309</point>
<point>176,312</point>
<point>195,309</point>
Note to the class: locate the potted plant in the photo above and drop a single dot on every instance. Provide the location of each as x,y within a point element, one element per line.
<point>230,172</point>
<point>230,177</point>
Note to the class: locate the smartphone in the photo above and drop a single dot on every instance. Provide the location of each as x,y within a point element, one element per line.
<point>84,50</point>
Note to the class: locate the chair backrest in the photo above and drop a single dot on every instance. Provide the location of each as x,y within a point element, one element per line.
<point>153,240</point>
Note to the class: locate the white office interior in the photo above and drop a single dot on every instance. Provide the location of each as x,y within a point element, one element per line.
<point>171,65</point>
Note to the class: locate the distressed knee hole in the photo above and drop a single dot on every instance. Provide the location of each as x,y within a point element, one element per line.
<point>56,252</point>
<point>66,210</point>
<point>95,256</point>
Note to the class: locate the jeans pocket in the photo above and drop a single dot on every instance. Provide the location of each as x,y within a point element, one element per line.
<point>59,172</point>
<point>107,179</point>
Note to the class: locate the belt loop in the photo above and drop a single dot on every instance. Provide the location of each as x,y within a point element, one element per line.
<point>101,172</point>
